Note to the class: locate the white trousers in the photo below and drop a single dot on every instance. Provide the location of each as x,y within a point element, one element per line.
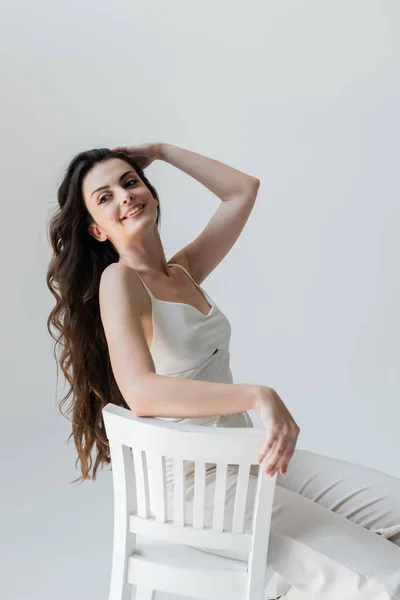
<point>335,529</point>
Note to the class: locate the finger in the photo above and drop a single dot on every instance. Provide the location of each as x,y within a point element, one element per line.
<point>276,455</point>
<point>266,447</point>
<point>284,466</point>
<point>283,461</point>
<point>282,454</point>
<point>286,452</point>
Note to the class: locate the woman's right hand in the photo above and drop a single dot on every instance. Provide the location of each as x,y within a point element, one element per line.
<point>282,431</point>
<point>142,154</point>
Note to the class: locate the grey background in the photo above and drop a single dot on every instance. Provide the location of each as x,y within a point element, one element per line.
<point>304,96</point>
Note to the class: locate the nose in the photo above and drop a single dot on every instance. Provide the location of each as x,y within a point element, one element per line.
<point>126,198</point>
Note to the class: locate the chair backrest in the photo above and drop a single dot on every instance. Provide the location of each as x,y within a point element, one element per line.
<point>136,442</point>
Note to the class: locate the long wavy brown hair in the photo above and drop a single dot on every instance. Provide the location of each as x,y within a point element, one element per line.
<point>73,277</point>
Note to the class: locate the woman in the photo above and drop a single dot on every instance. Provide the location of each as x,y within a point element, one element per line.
<point>139,331</point>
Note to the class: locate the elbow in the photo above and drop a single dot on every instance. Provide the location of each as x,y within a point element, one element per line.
<point>139,411</point>
<point>136,404</point>
<point>255,183</point>
<point>142,410</point>
<point>256,186</point>
<point>252,191</point>
<point>139,398</point>
<point>137,408</point>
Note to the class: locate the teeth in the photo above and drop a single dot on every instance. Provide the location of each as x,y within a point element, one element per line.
<point>134,211</point>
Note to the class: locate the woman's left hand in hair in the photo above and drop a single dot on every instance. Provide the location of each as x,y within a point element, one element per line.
<point>142,154</point>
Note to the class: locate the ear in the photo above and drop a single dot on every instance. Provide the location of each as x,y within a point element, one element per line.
<point>96,232</point>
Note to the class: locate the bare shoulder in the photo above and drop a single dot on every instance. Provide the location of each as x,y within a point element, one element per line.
<point>119,282</point>
<point>113,272</point>
<point>117,273</point>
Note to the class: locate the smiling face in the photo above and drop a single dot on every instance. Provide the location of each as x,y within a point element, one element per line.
<point>110,190</point>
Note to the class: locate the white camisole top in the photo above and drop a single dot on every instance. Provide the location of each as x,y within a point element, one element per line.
<point>187,343</point>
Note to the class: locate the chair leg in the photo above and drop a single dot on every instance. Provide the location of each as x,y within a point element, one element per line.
<point>144,593</point>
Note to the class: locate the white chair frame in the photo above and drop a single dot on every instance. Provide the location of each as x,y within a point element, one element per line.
<point>133,575</point>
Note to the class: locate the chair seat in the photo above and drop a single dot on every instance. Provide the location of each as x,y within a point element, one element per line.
<point>192,560</point>
<point>185,557</point>
<point>186,571</point>
<point>191,572</point>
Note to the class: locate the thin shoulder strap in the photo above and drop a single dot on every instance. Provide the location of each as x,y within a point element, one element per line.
<point>145,286</point>
<point>186,271</point>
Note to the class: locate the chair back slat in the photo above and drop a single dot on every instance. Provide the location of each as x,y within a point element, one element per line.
<point>219,496</point>
<point>142,483</point>
<point>240,498</point>
<point>124,484</point>
<point>159,497</point>
<point>199,492</point>
<point>261,525</point>
<point>179,493</point>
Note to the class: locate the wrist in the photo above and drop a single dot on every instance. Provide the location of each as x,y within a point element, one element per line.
<point>260,394</point>
<point>160,148</point>
<point>255,396</point>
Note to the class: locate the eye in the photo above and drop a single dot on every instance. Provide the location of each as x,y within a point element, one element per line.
<point>105,195</point>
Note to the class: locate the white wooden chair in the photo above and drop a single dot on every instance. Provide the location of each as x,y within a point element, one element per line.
<point>154,553</point>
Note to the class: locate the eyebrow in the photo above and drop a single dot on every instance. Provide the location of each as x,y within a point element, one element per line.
<point>104,187</point>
